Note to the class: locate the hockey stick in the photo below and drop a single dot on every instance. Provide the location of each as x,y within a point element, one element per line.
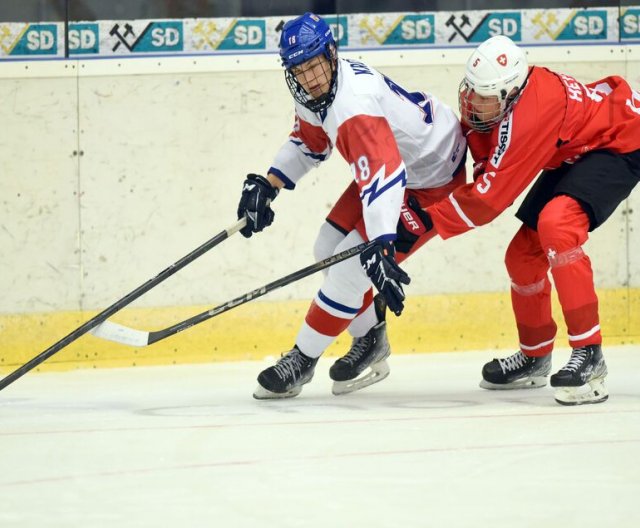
<point>118,305</point>
<point>130,336</point>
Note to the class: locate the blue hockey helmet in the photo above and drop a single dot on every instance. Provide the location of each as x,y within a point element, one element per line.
<point>302,39</point>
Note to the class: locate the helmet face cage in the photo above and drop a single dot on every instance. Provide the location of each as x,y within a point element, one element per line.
<point>304,44</point>
<point>472,111</point>
<point>314,72</point>
<point>496,74</point>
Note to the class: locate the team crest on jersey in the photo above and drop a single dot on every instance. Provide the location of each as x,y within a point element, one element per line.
<point>504,138</point>
<point>502,59</point>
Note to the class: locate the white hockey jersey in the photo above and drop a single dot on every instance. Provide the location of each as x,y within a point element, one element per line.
<point>391,139</point>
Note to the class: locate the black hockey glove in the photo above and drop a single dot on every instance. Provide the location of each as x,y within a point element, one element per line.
<point>381,267</point>
<point>257,195</point>
<point>413,223</point>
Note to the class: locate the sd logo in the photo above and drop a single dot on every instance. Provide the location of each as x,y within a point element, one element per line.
<point>566,25</point>
<point>36,39</point>
<point>153,37</point>
<point>83,39</point>
<point>630,24</point>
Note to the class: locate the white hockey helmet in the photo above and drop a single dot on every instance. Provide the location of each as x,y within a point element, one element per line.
<point>495,68</point>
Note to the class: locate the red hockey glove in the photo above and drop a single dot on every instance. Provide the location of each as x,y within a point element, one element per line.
<point>413,223</point>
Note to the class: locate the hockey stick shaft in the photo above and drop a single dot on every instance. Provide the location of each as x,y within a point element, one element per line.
<point>118,305</point>
<point>130,336</point>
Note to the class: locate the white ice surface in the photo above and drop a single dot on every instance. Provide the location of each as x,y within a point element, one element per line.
<point>188,446</point>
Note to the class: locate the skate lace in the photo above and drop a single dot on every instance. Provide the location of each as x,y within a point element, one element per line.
<point>513,362</point>
<point>577,359</point>
<point>290,364</point>
<point>358,347</point>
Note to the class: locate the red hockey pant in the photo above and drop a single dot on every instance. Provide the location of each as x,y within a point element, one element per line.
<point>557,246</point>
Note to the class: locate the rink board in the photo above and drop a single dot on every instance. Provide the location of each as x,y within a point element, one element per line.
<point>262,329</point>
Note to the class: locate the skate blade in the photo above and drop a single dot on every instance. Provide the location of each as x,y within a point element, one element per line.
<point>377,372</point>
<point>263,394</point>
<point>528,383</point>
<point>591,392</point>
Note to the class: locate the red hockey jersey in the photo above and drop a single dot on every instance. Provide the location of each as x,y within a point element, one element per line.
<point>556,119</point>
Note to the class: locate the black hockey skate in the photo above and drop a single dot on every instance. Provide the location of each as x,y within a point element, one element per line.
<point>286,378</point>
<point>368,351</point>
<point>581,380</point>
<point>517,371</point>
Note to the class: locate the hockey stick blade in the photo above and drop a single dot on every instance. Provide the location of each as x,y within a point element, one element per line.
<point>130,336</point>
<point>121,303</point>
<point>118,333</point>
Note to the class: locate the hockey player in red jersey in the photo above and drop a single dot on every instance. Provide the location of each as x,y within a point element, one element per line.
<point>406,151</point>
<point>521,120</point>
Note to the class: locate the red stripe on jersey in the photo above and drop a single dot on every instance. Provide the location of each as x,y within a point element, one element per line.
<point>314,137</point>
<point>325,323</point>
<point>367,143</point>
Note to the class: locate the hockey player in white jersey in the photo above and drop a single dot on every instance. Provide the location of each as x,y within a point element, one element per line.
<point>405,150</point>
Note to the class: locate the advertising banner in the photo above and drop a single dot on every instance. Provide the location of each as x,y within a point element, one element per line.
<point>109,38</point>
